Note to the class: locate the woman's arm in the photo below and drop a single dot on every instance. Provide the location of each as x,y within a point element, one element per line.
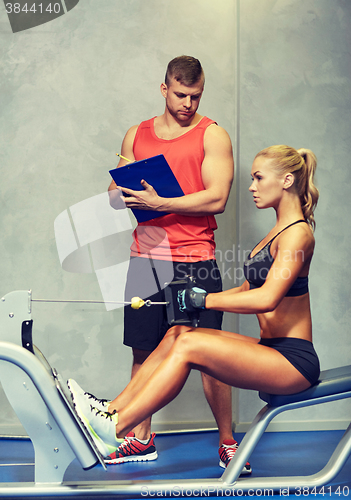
<point>294,251</point>
<point>238,289</point>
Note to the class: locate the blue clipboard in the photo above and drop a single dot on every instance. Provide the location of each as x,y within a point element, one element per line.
<point>155,171</point>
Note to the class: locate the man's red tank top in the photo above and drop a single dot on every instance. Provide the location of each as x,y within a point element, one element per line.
<point>186,238</point>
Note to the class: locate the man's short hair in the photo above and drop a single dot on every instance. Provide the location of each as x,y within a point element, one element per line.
<point>186,70</point>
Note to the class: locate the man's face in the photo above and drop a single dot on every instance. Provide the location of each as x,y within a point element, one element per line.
<point>182,101</point>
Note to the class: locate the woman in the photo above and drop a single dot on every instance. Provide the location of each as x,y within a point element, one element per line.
<point>282,360</point>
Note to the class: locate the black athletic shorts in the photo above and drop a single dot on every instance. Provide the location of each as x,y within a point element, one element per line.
<point>299,352</point>
<point>144,328</point>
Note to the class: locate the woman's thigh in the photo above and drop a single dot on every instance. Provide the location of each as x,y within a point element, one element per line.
<point>240,361</point>
<point>175,331</point>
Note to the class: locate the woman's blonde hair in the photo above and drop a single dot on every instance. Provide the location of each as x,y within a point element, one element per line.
<point>302,164</point>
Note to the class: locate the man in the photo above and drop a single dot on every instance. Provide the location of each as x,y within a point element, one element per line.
<point>199,153</point>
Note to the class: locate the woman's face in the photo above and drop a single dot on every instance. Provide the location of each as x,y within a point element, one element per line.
<point>267,186</point>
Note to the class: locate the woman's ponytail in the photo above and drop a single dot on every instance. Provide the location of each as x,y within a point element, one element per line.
<point>310,194</point>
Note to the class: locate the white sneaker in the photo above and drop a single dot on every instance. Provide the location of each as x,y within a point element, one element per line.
<point>87,413</point>
<point>76,391</point>
<point>102,428</point>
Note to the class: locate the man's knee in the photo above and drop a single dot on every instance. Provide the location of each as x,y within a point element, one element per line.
<point>139,356</point>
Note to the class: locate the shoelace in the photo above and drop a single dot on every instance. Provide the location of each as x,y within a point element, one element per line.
<point>104,414</point>
<point>91,396</point>
<point>229,450</point>
<point>126,442</point>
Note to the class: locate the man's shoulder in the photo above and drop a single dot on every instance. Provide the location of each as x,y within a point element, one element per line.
<point>144,123</point>
<point>147,123</point>
<point>217,138</point>
<point>131,132</point>
<point>215,130</point>
<point>207,119</point>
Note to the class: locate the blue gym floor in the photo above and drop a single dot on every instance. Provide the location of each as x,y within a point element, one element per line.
<point>195,455</point>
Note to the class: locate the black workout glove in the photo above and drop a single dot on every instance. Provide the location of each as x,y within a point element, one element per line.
<point>191,299</point>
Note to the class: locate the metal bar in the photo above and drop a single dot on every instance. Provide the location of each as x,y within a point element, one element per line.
<point>147,302</point>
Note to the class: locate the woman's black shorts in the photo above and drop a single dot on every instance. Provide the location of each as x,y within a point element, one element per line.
<point>299,352</point>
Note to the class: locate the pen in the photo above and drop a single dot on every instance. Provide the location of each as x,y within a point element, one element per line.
<point>124,158</point>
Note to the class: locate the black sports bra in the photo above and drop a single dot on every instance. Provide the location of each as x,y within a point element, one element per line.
<point>256,268</point>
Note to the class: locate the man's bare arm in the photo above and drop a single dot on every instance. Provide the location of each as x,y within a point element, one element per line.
<point>115,195</point>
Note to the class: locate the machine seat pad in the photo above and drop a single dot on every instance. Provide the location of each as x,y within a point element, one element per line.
<point>333,381</point>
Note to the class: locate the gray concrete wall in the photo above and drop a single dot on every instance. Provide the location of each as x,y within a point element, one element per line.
<point>277,71</point>
<point>70,90</point>
<point>295,66</point>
